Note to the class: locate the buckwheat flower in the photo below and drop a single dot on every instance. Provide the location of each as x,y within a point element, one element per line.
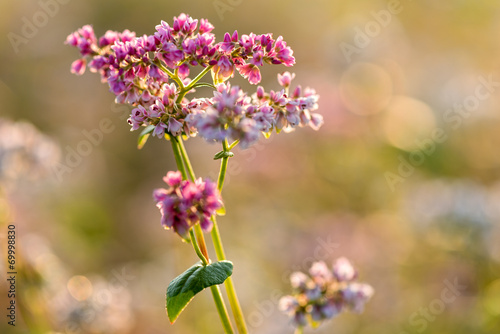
<point>223,69</point>
<point>316,121</point>
<point>264,118</point>
<point>356,295</point>
<point>331,309</point>
<point>109,38</point>
<point>170,54</point>
<point>284,54</point>
<point>266,41</point>
<point>183,71</point>
<point>174,126</point>
<point>187,203</point>
<point>159,130</point>
<point>247,42</point>
<point>209,125</point>
<point>26,155</point>
<point>184,24</point>
<point>320,273</point>
<point>343,270</point>
<point>250,72</point>
<point>78,66</point>
<point>288,304</point>
<point>313,293</point>
<point>205,26</point>
<point>163,32</point>
<point>137,118</point>
<point>285,79</point>
<point>299,319</point>
<point>324,293</point>
<point>299,280</point>
<point>229,43</point>
<point>246,131</point>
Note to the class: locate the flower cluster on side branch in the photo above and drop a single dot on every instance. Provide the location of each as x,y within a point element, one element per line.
<point>187,203</point>
<point>324,293</point>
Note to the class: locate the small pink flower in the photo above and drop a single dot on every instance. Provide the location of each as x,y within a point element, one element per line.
<point>174,126</point>
<point>159,130</point>
<point>285,79</point>
<point>205,26</point>
<point>78,66</point>
<point>183,71</point>
<point>223,69</point>
<point>250,72</point>
<point>173,179</point>
<point>343,270</point>
<point>356,295</point>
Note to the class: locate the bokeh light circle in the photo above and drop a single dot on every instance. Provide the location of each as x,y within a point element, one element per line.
<point>365,88</point>
<point>407,121</point>
<point>79,287</point>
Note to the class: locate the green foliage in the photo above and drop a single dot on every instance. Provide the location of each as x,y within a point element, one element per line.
<point>185,286</point>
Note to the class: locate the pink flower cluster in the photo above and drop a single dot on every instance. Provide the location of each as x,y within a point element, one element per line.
<point>150,72</point>
<point>232,114</point>
<point>324,293</point>
<point>187,203</point>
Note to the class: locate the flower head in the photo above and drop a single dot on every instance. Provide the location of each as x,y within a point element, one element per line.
<point>187,203</point>
<point>149,72</point>
<point>324,293</point>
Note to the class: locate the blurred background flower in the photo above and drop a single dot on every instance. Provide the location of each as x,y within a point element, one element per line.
<point>402,179</point>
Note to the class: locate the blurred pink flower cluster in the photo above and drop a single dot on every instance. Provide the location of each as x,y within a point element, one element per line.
<point>324,293</point>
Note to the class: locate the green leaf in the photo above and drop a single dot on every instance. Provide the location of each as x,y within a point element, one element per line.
<point>143,137</point>
<point>185,286</point>
<point>223,154</point>
<point>203,84</point>
<point>221,211</point>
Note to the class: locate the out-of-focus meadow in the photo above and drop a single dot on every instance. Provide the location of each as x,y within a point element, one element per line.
<point>403,177</point>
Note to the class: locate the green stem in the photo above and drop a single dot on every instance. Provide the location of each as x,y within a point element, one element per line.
<point>198,77</point>
<point>231,291</point>
<point>219,249</point>
<point>299,330</point>
<point>197,248</point>
<point>221,308</point>
<point>201,241</point>
<point>170,74</point>
<point>233,144</point>
<point>201,249</point>
<point>187,162</point>
<point>178,157</point>
<point>223,167</point>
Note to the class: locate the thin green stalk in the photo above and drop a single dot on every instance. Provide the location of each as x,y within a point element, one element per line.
<point>198,77</point>
<point>170,74</point>
<point>219,302</point>
<point>177,155</point>
<point>187,162</point>
<point>219,249</point>
<point>223,167</point>
<point>197,248</point>
<point>233,144</point>
<point>221,308</point>
<point>231,291</point>
<point>201,241</point>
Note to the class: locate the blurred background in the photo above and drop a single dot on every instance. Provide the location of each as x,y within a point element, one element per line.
<point>403,178</point>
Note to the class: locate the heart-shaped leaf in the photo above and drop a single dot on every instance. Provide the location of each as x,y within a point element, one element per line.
<point>185,286</point>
